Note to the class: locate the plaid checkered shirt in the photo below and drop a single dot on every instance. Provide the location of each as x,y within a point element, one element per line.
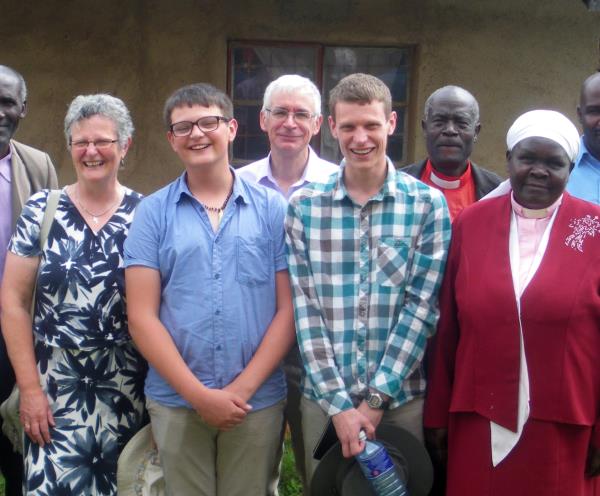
<point>365,283</point>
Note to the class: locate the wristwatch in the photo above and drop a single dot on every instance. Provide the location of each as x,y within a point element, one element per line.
<point>375,400</point>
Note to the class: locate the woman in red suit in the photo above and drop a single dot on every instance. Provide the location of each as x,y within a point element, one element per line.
<point>514,379</point>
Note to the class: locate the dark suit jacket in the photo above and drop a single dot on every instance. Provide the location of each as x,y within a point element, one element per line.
<point>485,180</point>
<point>32,170</point>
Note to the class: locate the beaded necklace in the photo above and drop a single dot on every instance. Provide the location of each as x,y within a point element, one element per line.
<point>219,210</point>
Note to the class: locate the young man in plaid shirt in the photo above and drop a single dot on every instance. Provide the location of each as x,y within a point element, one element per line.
<point>366,257</point>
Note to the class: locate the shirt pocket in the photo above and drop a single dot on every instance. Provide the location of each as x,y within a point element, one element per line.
<point>253,261</point>
<point>392,261</point>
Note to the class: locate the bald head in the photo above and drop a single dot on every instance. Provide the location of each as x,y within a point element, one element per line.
<point>454,93</point>
<point>9,72</point>
<point>451,125</point>
<point>592,82</point>
<point>12,105</point>
<point>588,112</point>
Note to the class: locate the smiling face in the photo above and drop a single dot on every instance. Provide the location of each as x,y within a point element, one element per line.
<point>588,112</point>
<point>202,149</point>
<point>91,163</point>
<point>450,128</point>
<point>539,170</point>
<point>12,109</point>
<point>362,131</point>
<point>290,136</point>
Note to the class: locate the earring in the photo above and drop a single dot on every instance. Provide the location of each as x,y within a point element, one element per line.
<point>122,164</point>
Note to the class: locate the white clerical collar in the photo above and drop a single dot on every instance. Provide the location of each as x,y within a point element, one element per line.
<point>442,183</point>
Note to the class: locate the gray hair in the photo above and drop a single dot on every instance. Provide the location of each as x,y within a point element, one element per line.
<point>293,83</point>
<point>17,75</point>
<point>451,89</point>
<point>111,107</point>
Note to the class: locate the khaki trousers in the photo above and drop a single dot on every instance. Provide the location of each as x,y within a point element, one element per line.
<point>408,416</point>
<point>199,460</point>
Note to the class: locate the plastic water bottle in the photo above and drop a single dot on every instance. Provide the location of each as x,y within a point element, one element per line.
<point>379,469</point>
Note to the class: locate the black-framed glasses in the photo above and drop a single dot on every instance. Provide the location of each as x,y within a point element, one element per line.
<point>206,124</point>
<point>281,114</point>
<point>99,144</point>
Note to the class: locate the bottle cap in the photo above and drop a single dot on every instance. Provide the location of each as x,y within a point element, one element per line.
<point>362,435</point>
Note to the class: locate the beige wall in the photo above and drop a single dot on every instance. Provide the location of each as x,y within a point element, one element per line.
<point>514,55</point>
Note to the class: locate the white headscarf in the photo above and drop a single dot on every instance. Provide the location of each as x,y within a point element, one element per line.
<point>545,124</point>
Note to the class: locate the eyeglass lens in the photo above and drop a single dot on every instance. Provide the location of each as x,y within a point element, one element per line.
<point>205,124</point>
<point>281,113</point>
<point>104,143</point>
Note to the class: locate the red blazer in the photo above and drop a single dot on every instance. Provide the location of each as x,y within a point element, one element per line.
<point>474,358</point>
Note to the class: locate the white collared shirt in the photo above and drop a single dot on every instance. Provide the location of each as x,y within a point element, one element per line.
<point>317,170</point>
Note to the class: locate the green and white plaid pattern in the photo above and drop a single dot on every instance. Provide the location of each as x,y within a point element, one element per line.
<point>365,284</point>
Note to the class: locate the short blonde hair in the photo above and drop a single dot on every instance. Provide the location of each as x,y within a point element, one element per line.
<point>360,88</point>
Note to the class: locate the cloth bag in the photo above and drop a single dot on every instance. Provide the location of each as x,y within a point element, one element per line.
<point>9,409</point>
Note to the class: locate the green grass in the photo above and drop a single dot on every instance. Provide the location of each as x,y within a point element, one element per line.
<point>289,484</point>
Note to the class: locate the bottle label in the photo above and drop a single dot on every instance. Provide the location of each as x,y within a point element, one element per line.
<point>378,463</point>
<point>381,473</point>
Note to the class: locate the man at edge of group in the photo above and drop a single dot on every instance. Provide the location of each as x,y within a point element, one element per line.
<point>209,305</point>
<point>23,171</point>
<point>451,126</point>
<point>367,252</point>
<point>584,181</point>
<point>290,116</point>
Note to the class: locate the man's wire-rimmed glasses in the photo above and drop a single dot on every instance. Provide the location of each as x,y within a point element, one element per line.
<point>281,114</point>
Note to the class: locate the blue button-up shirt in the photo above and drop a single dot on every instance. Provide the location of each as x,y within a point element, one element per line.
<point>584,182</point>
<point>218,292</point>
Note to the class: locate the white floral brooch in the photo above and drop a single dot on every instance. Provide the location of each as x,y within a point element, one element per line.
<point>582,227</point>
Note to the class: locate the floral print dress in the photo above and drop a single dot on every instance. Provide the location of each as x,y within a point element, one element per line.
<point>88,366</point>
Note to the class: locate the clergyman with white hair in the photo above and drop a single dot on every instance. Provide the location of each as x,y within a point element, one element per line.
<point>514,384</point>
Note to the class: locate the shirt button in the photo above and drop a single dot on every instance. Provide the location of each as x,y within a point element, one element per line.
<point>218,347</point>
<point>217,312</point>
<point>217,275</point>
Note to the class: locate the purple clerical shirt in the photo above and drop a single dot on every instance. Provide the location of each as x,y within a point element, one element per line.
<point>5,207</point>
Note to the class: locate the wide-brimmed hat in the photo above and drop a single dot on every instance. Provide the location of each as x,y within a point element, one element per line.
<point>336,475</point>
<point>139,471</point>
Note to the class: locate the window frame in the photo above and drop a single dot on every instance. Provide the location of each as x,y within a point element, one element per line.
<point>320,47</point>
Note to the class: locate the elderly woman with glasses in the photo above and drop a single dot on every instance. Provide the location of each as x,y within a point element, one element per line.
<point>79,375</point>
<point>513,399</point>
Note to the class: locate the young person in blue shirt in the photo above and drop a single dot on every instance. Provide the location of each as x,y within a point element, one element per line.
<point>210,308</point>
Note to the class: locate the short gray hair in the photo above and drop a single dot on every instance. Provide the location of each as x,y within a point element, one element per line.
<point>451,89</point>
<point>111,107</point>
<point>293,83</point>
<point>17,75</point>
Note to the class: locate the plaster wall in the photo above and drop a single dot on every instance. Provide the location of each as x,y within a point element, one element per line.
<point>513,55</point>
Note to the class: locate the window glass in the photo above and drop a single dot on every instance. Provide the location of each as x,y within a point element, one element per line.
<point>388,64</point>
<point>253,68</point>
<point>254,65</point>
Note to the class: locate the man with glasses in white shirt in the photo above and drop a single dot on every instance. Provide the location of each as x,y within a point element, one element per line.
<point>291,116</point>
